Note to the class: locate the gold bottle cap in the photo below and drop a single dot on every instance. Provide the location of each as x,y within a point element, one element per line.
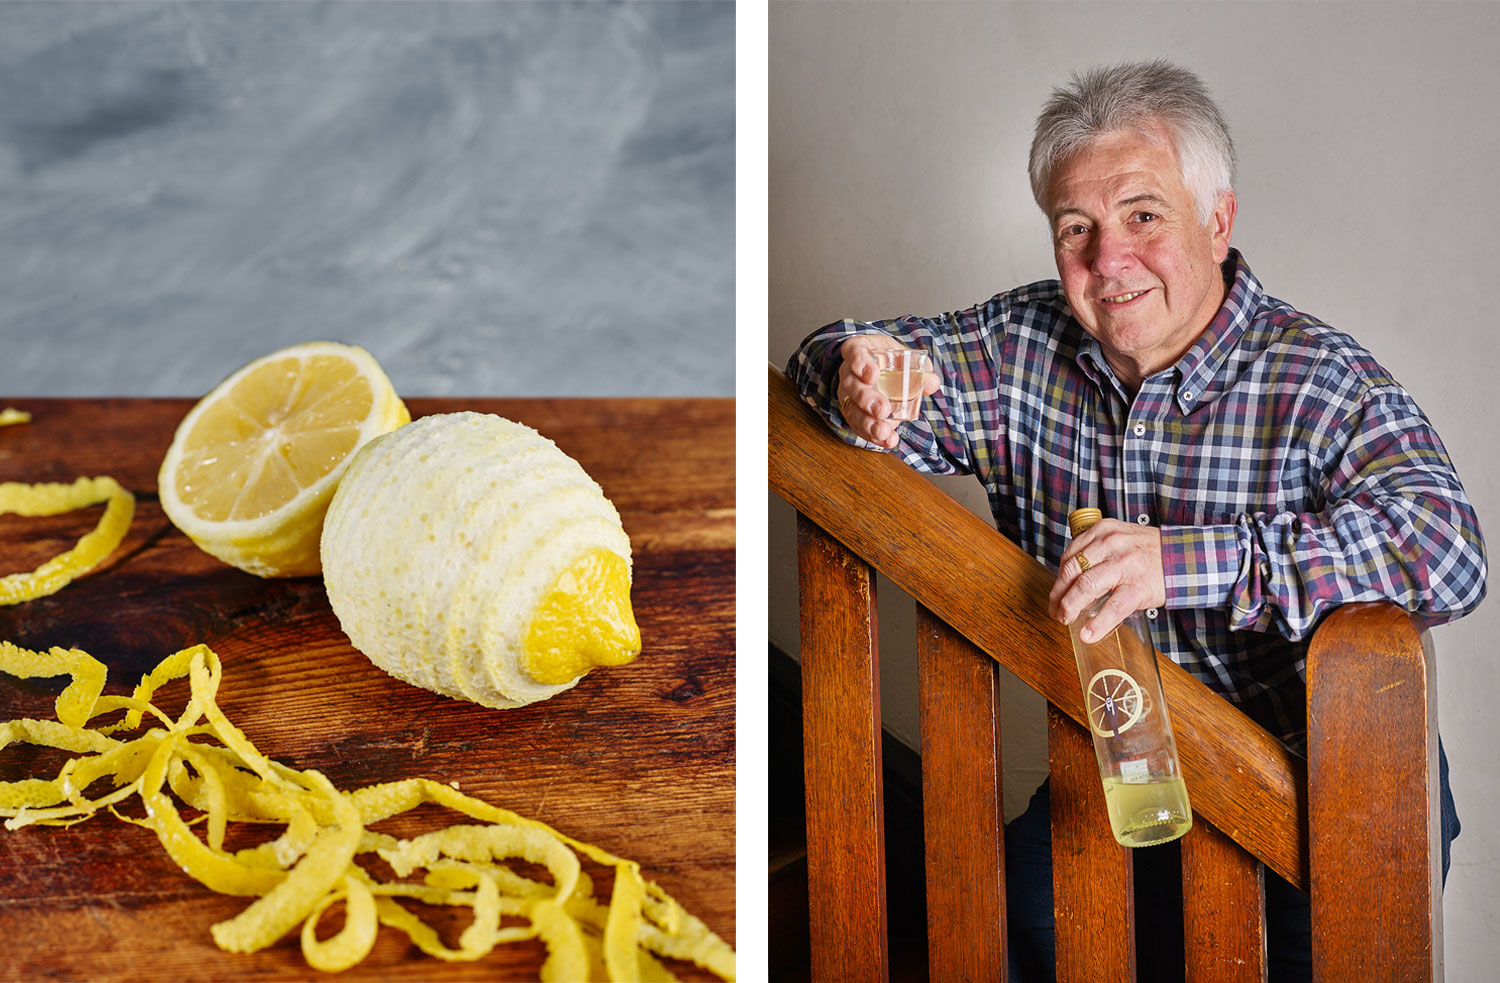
<point>1081,519</point>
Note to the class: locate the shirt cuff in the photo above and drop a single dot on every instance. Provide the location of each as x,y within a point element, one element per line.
<point>1201,564</point>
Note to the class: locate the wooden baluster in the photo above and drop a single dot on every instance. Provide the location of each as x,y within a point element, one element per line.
<point>963,815</point>
<point>841,760</point>
<point>1372,798</point>
<point>1092,880</point>
<point>1223,908</point>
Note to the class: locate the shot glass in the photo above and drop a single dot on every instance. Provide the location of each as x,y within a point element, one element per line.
<point>900,381</point>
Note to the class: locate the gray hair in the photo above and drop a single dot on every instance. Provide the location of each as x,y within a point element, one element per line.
<point>1134,96</point>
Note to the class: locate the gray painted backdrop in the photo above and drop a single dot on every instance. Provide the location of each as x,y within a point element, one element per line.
<point>494,198</point>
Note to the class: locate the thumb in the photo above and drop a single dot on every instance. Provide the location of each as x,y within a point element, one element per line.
<point>931,383</point>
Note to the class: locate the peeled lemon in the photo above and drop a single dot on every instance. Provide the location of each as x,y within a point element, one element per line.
<point>467,554</point>
<point>254,464</point>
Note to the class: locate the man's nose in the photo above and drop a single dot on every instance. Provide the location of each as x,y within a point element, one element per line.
<point>1112,252</point>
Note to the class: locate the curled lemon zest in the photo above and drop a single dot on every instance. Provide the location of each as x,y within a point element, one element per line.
<point>352,942</point>
<point>200,761</point>
<point>76,703</point>
<point>51,498</point>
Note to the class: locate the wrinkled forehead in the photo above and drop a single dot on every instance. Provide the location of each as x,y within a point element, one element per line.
<point>1141,156</point>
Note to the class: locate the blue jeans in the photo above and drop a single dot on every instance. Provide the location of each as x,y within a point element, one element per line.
<point>1158,901</point>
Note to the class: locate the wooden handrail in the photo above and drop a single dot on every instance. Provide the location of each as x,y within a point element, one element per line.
<point>992,593</point>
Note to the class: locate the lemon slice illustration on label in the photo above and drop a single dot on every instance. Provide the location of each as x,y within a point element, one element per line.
<point>1115,702</point>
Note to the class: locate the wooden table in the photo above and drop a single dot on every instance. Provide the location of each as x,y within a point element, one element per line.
<point>638,760</point>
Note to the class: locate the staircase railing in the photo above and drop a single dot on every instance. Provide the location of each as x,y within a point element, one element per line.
<point>1355,825</point>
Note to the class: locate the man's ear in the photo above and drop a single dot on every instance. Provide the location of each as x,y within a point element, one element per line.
<point>1221,223</point>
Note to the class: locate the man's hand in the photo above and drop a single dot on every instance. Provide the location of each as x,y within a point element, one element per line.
<point>1122,557</point>
<point>865,408</point>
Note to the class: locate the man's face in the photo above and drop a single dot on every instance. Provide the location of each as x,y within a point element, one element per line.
<point>1140,272</point>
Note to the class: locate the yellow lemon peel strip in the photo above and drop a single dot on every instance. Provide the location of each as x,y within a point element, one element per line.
<point>212,868</point>
<point>10,415</point>
<point>484,844</point>
<point>55,499</point>
<point>199,758</point>
<point>320,870</point>
<point>567,959</point>
<point>424,936</point>
<point>623,923</point>
<point>76,703</point>
<point>352,942</point>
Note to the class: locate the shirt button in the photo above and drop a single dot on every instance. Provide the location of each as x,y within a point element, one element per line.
<point>1187,394</point>
<point>1151,613</point>
<point>1143,519</point>
<point>1140,429</point>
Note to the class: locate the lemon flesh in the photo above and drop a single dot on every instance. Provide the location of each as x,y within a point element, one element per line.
<point>467,554</point>
<point>254,464</point>
<point>584,621</point>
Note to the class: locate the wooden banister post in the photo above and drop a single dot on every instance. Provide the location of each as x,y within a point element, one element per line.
<point>1093,882</point>
<point>963,816</point>
<point>1223,908</point>
<point>1373,831</point>
<point>841,761</point>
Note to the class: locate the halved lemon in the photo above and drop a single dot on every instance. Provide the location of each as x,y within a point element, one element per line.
<point>254,464</point>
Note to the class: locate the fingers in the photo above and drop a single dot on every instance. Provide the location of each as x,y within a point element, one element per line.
<point>1071,593</point>
<point>1115,558</point>
<point>859,355</point>
<point>865,409</point>
<point>1114,611</point>
<point>1076,588</point>
<point>860,364</point>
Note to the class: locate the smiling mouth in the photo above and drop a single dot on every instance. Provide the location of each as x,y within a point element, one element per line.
<point>1122,298</point>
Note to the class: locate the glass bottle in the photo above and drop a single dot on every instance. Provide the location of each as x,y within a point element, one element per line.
<point>1127,718</point>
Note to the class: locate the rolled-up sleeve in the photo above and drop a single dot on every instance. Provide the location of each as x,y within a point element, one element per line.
<point>1393,524</point>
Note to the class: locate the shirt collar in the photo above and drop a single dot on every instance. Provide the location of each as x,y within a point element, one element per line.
<point>1195,371</point>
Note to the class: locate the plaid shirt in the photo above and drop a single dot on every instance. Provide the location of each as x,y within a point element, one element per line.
<point>1288,471</point>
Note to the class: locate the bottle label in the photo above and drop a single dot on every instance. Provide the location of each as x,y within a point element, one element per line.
<point>1135,772</point>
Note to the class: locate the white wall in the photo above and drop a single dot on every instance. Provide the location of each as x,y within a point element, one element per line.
<point>1369,169</point>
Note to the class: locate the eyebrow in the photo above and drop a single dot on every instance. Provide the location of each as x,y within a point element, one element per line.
<point>1144,198</point>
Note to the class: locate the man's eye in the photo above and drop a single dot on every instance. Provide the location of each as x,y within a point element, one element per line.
<point>1146,216</point>
<point>1070,231</point>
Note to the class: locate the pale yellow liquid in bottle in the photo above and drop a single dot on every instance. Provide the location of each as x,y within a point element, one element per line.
<point>1147,813</point>
<point>1127,714</point>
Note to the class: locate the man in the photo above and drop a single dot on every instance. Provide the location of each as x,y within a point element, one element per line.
<point>1260,468</point>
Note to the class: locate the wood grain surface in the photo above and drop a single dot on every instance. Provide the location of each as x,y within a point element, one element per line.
<point>1377,878</point>
<point>1093,877</point>
<point>841,756</point>
<point>637,760</point>
<point>1223,909</point>
<point>962,804</point>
